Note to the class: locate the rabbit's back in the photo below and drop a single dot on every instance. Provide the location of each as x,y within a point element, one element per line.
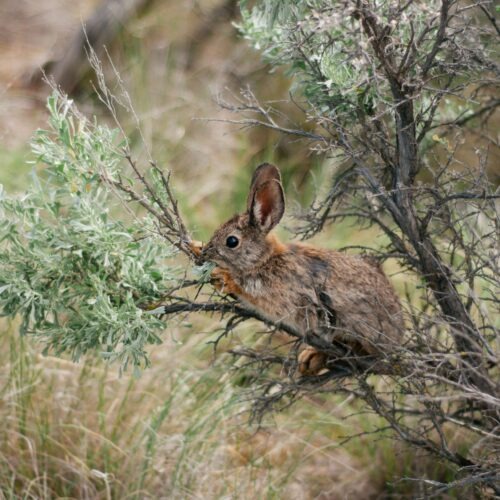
<point>346,296</point>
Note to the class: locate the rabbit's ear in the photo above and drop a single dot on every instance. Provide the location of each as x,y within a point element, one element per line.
<point>267,205</point>
<point>263,173</point>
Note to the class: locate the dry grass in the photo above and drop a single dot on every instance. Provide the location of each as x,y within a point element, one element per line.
<point>82,431</point>
<point>178,431</point>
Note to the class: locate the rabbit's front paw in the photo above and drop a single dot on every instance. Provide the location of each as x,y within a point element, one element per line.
<point>224,283</point>
<point>311,361</point>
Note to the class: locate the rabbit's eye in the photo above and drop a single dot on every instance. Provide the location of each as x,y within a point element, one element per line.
<point>232,241</point>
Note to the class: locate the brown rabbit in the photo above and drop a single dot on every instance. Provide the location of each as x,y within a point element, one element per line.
<point>342,297</point>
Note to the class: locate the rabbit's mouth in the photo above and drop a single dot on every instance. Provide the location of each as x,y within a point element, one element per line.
<point>207,254</point>
<point>200,259</point>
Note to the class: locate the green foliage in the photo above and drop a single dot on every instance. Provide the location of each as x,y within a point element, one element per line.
<point>315,52</point>
<point>334,65</point>
<point>79,276</point>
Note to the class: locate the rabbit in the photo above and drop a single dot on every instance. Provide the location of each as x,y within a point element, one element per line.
<point>342,297</point>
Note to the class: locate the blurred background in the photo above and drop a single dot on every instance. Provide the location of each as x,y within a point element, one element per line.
<point>180,430</point>
<point>175,59</point>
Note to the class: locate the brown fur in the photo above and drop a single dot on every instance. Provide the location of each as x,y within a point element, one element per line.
<point>306,287</point>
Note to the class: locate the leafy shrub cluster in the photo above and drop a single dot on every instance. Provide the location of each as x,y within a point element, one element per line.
<point>79,276</point>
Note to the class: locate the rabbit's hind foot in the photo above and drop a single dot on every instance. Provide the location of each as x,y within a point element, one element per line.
<point>311,361</point>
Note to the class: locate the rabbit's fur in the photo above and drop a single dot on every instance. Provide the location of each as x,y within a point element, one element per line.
<point>340,296</point>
